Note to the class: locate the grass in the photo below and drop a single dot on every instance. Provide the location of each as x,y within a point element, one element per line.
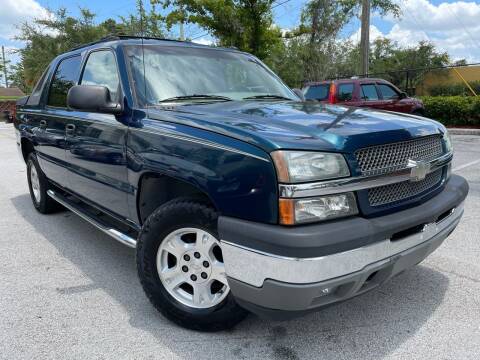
<point>5,98</point>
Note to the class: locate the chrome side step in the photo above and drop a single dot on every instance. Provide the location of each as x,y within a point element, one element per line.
<point>114,233</point>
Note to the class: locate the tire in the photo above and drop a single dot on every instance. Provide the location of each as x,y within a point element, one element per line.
<point>38,186</point>
<point>418,113</point>
<point>180,216</point>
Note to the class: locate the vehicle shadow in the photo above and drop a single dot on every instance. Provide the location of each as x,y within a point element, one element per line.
<point>370,326</point>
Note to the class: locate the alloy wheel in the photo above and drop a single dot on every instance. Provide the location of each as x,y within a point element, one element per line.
<point>190,266</point>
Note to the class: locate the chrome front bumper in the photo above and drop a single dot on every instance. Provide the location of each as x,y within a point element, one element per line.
<point>254,267</point>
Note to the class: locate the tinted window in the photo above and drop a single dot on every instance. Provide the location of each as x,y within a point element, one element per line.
<point>387,91</point>
<point>345,92</point>
<point>34,98</point>
<point>101,69</point>
<point>65,77</point>
<point>317,92</point>
<point>369,92</point>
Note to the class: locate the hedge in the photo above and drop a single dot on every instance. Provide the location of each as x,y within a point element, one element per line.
<point>453,110</point>
<point>454,89</point>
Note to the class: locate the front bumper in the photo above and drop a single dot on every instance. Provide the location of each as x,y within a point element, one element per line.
<point>275,283</point>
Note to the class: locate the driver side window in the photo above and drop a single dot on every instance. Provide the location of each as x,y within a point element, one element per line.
<point>101,69</point>
<point>388,92</point>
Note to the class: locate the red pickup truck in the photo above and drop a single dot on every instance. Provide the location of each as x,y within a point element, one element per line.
<point>373,93</point>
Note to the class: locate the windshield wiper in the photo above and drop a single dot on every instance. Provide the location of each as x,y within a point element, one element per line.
<point>266,96</point>
<point>196,97</point>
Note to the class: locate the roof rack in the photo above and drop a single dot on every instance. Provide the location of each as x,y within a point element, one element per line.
<point>120,37</point>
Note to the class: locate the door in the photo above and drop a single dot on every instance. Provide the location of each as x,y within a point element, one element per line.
<point>369,96</point>
<point>96,143</point>
<point>52,119</point>
<point>391,99</point>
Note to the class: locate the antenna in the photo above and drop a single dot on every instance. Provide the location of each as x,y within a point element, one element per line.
<point>143,48</point>
<point>140,8</point>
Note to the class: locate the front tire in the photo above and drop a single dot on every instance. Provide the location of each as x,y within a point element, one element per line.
<point>38,186</point>
<point>181,268</point>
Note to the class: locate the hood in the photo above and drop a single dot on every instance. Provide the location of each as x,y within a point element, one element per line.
<point>275,125</point>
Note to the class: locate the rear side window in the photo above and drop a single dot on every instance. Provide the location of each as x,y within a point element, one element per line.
<point>64,78</point>
<point>369,92</point>
<point>345,92</point>
<point>101,69</point>
<point>34,98</point>
<point>317,92</point>
<point>387,91</point>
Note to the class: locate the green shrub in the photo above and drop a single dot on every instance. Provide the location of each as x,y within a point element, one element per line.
<point>454,89</point>
<point>453,110</point>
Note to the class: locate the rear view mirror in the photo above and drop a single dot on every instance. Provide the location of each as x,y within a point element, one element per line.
<point>92,98</point>
<point>403,95</point>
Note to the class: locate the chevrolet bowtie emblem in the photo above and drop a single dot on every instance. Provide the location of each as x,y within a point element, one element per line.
<point>418,169</point>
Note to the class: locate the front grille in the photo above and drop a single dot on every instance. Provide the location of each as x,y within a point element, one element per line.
<point>404,190</point>
<point>386,158</point>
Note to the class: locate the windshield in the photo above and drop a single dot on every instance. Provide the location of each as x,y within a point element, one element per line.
<point>182,74</point>
<point>317,92</point>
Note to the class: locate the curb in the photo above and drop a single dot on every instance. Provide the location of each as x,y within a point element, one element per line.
<point>457,131</point>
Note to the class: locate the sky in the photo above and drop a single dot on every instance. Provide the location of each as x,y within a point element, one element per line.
<point>453,26</point>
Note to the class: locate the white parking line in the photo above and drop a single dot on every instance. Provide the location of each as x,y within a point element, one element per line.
<point>466,165</point>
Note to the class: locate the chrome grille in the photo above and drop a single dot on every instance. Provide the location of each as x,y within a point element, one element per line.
<point>385,158</point>
<point>401,191</point>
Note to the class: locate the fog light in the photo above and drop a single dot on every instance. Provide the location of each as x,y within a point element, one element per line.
<point>326,291</point>
<point>298,211</point>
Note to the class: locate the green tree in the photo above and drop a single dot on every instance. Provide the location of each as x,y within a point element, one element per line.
<point>322,20</point>
<point>141,23</point>
<point>16,77</point>
<point>245,24</point>
<point>47,38</point>
<point>314,46</point>
<point>405,66</point>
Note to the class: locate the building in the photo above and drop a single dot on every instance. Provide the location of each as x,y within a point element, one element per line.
<point>11,92</point>
<point>448,76</point>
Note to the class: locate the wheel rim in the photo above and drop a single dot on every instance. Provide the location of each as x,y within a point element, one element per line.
<point>191,268</point>
<point>35,182</point>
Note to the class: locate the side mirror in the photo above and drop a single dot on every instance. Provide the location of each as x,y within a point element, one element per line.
<point>92,98</point>
<point>403,95</point>
<point>299,93</point>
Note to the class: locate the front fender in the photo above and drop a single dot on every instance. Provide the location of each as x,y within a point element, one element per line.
<point>238,177</point>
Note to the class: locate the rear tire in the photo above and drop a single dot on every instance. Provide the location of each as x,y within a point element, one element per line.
<point>178,252</point>
<point>38,186</point>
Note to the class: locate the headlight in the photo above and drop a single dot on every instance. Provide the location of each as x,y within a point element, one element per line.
<point>299,211</point>
<point>303,166</point>
<point>447,141</point>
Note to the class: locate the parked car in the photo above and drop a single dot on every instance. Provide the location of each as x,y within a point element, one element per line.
<point>364,92</point>
<point>236,195</point>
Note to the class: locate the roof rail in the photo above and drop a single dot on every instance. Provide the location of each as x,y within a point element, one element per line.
<point>104,39</point>
<point>119,37</point>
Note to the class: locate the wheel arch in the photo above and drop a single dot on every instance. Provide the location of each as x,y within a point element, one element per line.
<point>155,189</point>
<point>27,147</point>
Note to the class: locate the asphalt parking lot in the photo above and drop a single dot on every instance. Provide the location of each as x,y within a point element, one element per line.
<point>68,291</point>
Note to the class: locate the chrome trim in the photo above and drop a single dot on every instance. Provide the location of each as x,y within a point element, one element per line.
<point>355,183</point>
<point>114,233</point>
<point>199,141</point>
<point>38,113</point>
<point>254,267</point>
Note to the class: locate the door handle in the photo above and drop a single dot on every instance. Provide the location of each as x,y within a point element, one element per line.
<point>43,123</point>
<point>70,129</point>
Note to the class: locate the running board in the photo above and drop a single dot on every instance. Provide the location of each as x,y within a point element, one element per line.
<point>114,233</point>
